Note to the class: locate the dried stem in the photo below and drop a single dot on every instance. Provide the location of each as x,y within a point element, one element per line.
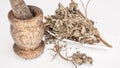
<point>103,41</point>
<point>85,7</point>
<point>53,57</point>
<point>67,59</point>
<point>57,49</point>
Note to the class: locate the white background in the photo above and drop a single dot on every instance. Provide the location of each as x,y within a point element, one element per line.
<point>105,12</point>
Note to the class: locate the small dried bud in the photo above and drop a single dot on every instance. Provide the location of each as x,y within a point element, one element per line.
<point>80,58</point>
<point>76,33</point>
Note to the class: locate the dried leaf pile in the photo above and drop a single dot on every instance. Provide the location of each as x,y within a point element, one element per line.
<point>71,24</point>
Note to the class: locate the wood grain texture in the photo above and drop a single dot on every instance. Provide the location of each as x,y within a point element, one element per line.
<point>20,10</point>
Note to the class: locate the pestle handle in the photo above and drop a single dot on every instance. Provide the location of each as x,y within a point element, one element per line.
<point>20,9</point>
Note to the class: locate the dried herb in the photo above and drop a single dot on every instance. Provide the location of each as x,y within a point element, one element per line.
<point>77,58</point>
<point>80,58</point>
<point>71,24</point>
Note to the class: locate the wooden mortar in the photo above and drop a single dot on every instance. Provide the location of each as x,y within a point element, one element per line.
<point>28,34</point>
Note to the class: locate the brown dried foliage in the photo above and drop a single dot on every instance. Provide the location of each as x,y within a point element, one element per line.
<point>76,58</point>
<point>71,24</point>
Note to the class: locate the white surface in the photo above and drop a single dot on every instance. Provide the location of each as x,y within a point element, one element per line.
<point>107,12</point>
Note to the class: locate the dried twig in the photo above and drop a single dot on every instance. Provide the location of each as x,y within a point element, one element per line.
<point>85,7</point>
<point>57,49</point>
<point>103,41</point>
<point>76,58</point>
<point>53,56</point>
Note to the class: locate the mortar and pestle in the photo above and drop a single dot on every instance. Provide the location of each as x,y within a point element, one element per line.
<point>27,29</point>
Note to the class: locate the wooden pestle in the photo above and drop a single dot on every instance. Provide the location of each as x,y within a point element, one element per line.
<point>20,9</point>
